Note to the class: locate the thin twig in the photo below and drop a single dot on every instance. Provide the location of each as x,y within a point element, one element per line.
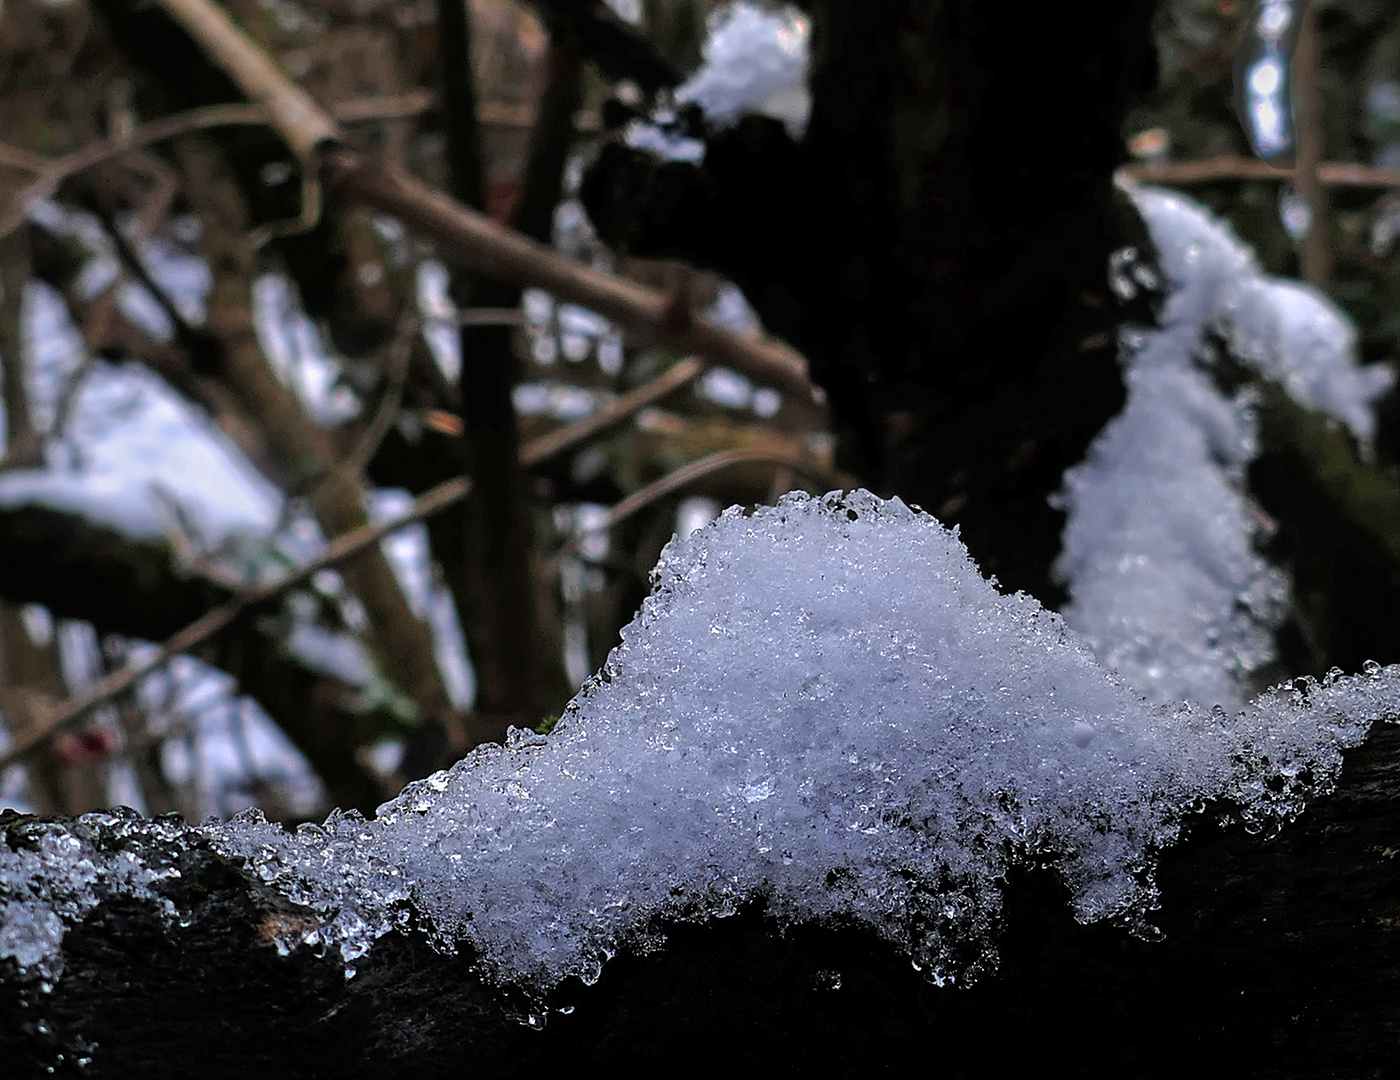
<point>1315,246</point>
<point>687,475</point>
<point>51,172</point>
<point>18,157</point>
<point>396,375</point>
<point>133,264</point>
<point>1234,167</point>
<point>181,534</point>
<point>68,397</point>
<point>611,415</point>
<point>490,316</point>
<point>502,253</point>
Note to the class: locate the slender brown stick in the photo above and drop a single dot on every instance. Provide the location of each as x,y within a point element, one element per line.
<point>499,252</point>
<point>19,158</point>
<point>490,316</point>
<point>395,363</point>
<point>687,475</point>
<point>211,622</point>
<point>611,415</point>
<point>1315,247</point>
<point>1234,167</point>
<point>293,112</point>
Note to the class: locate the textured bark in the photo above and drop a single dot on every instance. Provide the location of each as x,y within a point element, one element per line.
<point>22,445</point>
<point>1280,957</point>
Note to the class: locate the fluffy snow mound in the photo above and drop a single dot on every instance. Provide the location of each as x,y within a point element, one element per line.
<point>824,707</point>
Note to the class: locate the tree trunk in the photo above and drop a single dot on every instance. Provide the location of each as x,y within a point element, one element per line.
<point>936,245</point>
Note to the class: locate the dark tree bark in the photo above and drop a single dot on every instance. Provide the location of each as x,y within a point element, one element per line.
<point>936,245</point>
<point>1280,957</point>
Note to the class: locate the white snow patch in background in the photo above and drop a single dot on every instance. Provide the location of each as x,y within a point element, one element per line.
<point>297,353</point>
<point>824,706</point>
<point>104,500</point>
<point>755,62</point>
<point>666,144</point>
<point>1159,543</point>
<point>428,597</point>
<point>627,10</point>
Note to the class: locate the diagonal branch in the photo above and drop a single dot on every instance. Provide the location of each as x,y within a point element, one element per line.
<point>219,618</point>
<point>1236,167</point>
<point>537,451</point>
<point>499,252</point>
<point>687,474</point>
<point>294,113</point>
<point>51,172</point>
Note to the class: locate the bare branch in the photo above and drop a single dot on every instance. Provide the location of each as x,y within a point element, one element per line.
<point>611,415</point>
<point>295,115</point>
<point>1234,167</point>
<point>474,237</point>
<point>1315,247</point>
<point>396,361</point>
<point>53,171</point>
<point>217,619</point>
<point>687,475</point>
<point>499,252</point>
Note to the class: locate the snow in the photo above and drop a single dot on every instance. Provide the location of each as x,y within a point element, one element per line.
<point>823,707</point>
<point>105,500</point>
<point>31,933</point>
<point>755,61</point>
<point>1159,545</point>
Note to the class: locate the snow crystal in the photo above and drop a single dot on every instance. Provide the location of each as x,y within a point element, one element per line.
<point>756,62</point>
<point>826,708</point>
<point>76,863</point>
<point>1159,542</point>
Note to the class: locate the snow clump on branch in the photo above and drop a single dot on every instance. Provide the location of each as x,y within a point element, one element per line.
<point>1159,544</point>
<point>823,708</point>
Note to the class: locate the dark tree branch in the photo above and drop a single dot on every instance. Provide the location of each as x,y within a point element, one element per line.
<point>1280,957</point>
<point>219,618</point>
